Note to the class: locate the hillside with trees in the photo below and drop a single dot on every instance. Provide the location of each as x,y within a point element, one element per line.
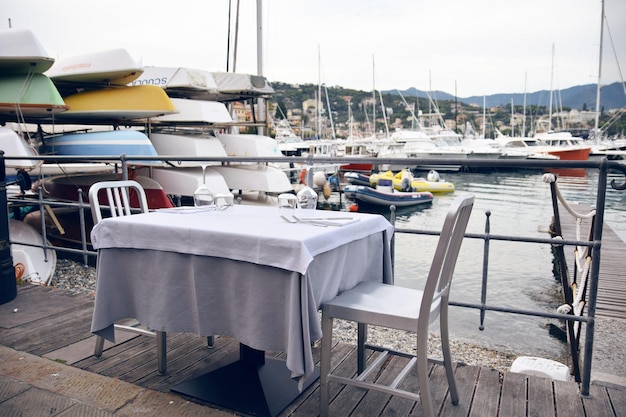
<point>573,109</point>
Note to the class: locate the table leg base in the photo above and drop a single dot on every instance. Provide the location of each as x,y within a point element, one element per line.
<point>261,390</point>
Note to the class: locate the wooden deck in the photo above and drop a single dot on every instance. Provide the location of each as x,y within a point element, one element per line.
<point>611,302</point>
<point>54,324</point>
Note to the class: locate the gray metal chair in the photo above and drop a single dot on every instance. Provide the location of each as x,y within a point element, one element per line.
<point>117,201</point>
<point>401,308</point>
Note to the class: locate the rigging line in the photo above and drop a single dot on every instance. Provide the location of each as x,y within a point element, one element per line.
<point>410,109</point>
<point>21,120</point>
<point>619,69</point>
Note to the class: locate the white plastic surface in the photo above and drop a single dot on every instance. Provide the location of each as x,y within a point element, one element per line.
<point>547,368</point>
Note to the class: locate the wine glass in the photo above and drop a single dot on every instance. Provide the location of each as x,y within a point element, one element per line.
<point>203,196</point>
<point>224,202</point>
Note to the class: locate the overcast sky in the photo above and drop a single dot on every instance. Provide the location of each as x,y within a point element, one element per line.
<point>476,47</point>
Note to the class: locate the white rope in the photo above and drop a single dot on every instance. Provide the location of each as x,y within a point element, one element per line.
<point>580,253</point>
<point>564,309</point>
<point>551,178</point>
<point>580,289</point>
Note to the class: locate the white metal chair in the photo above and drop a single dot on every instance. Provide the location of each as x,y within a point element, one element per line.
<point>401,308</point>
<point>116,200</point>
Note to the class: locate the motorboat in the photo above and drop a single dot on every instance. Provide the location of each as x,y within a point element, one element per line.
<point>385,195</point>
<point>564,145</point>
<point>543,146</point>
<point>380,197</point>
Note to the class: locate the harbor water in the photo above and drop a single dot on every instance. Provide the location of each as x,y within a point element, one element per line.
<point>520,273</point>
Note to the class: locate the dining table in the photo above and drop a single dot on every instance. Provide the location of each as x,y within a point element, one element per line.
<point>259,274</point>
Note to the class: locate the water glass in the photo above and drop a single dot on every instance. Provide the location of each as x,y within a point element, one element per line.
<point>287,203</point>
<point>307,198</point>
<point>224,202</point>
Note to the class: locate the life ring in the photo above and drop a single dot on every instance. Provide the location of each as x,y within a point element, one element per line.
<point>303,176</point>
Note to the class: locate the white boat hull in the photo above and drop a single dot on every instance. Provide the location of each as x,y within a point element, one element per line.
<point>255,177</point>
<point>184,181</point>
<point>31,263</point>
<point>188,145</point>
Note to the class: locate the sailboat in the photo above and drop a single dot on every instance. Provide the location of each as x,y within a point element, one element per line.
<point>601,147</point>
<point>561,144</point>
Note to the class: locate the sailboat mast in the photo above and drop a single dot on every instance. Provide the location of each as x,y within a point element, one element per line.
<point>319,94</point>
<point>484,117</point>
<point>373,97</point>
<point>382,106</point>
<point>330,113</point>
<point>551,91</point>
<point>597,120</point>
<point>259,63</point>
<point>523,133</point>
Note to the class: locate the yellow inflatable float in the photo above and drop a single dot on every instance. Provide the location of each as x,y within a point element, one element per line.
<point>405,181</point>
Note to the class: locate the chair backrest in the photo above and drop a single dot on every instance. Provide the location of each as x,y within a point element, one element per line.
<point>437,288</point>
<point>116,197</point>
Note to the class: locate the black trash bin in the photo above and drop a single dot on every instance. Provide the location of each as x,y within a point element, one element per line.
<point>8,284</point>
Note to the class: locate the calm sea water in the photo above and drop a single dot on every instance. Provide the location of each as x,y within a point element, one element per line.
<point>520,274</point>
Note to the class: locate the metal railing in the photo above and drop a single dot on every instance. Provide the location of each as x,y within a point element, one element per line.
<point>603,166</point>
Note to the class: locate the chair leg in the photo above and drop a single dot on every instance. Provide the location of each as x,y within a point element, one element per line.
<point>361,340</point>
<point>447,357</point>
<point>161,352</point>
<point>99,347</point>
<point>422,377</point>
<point>210,341</point>
<point>327,341</point>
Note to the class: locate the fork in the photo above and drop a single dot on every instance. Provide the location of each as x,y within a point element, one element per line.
<point>303,221</point>
<point>288,220</point>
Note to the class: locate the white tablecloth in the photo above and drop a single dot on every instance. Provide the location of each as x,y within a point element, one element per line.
<point>246,273</point>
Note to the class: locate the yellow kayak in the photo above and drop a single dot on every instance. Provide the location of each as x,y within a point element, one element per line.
<point>402,179</point>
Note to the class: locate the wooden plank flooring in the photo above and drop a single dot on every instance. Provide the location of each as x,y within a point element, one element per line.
<point>612,281</point>
<point>63,333</point>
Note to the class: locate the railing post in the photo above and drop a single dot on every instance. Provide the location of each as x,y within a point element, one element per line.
<point>594,276</point>
<point>83,227</point>
<point>8,285</point>
<point>392,220</point>
<point>483,288</point>
<point>124,167</point>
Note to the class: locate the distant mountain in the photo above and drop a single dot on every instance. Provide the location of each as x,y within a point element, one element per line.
<point>612,97</point>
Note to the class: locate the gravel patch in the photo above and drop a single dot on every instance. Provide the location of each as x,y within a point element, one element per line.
<point>74,277</point>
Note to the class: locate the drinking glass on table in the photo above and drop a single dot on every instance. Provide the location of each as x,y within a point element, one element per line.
<point>224,202</point>
<point>307,198</point>
<point>287,203</point>
<point>203,196</point>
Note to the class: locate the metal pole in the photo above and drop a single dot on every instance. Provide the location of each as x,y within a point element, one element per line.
<point>8,285</point>
<point>483,291</point>
<point>594,276</point>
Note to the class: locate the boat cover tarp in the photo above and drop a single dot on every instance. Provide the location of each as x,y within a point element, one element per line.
<point>235,86</point>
